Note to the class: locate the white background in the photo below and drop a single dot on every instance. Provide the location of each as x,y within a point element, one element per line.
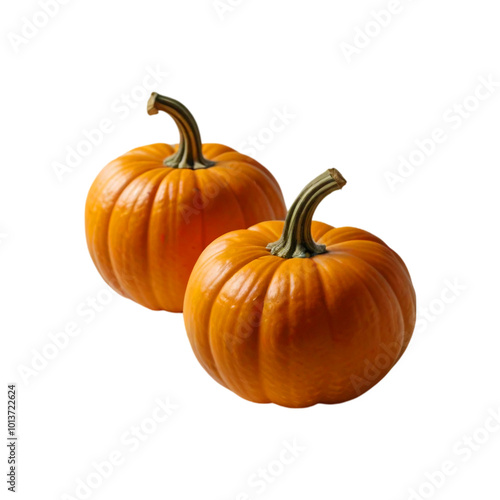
<point>234,69</point>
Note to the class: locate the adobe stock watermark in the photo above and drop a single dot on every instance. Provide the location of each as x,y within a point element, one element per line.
<point>31,26</point>
<point>462,451</point>
<point>426,316</point>
<point>3,238</point>
<point>249,326</point>
<point>85,313</point>
<point>223,7</point>
<point>453,118</point>
<point>260,480</point>
<point>365,34</point>
<point>373,370</point>
<point>121,108</point>
<point>130,441</point>
<point>258,142</point>
<point>201,200</point>
<point>448,295</point>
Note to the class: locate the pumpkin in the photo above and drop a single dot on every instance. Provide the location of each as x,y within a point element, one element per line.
<point>298,312</point>
<point>151,212</point>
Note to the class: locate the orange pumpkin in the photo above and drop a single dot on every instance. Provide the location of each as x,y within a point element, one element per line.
<point>319,316</point>
<point>151,212</point>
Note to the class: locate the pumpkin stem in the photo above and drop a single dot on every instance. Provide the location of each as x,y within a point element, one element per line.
<point>189,154</point>
<point>296,239</point>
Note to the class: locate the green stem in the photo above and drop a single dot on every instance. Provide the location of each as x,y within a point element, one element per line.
<point>189,154</point>
<point>296,240</point>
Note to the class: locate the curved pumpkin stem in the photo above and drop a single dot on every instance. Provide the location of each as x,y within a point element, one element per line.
<point>189,153</point>
<point>296,239</point>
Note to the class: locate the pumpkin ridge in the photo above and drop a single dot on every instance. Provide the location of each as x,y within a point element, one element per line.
<point>137,162</point>
<point>197,188</point>
<point>327,229</point>
<point>148,246</point>
<point>249,162</point>
<point>228,240</point>
<point>106,231</point>
<point>240,173</point>
<point>216,296</point>
<point>265,229</point>
<point>113,264</point>
<point>143,151</point>
<point>259,336</point>
<point>366,288</point>
<point>229,189</point>
<point>370,237</point>
<point>115,174</point>
<point>401,266</point>
<point>213,145</point>
<point>323,296</point>
<point>157,150</point>
<point>207,332</point>
<point>355,241</point>
<point>394,296</point>
<point>255,183</point>
<point>236,381</point>
<point>223,250</point>
<point>170,220</point>
<point>378,330</point>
